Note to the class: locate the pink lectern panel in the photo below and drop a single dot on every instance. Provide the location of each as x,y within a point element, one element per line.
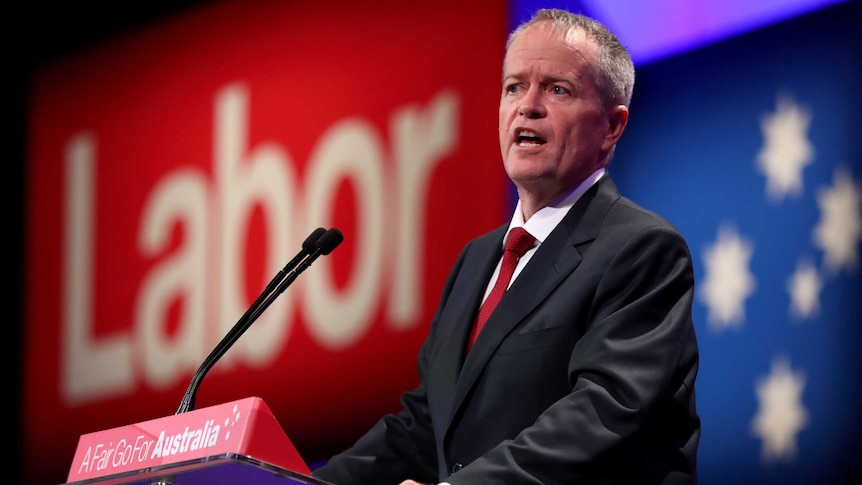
<point>227,469</point>
<point>245,428</point>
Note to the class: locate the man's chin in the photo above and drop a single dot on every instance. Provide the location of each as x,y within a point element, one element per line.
<point>527,173</point>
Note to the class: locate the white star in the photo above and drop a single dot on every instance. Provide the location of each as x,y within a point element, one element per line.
<point>728,280</point>
<point>804,288</point>
<point>787,149</point>
<point>780,415</point>
<point>840,227</point>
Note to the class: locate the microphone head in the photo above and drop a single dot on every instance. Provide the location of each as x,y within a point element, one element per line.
<point>329,241</point>
<point>311,241</point>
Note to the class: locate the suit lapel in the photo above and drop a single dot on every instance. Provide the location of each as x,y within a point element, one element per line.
<point>553,261</point>
<point>457,321</point>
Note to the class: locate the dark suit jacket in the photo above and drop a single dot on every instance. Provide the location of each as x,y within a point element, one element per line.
<point>584,373</point>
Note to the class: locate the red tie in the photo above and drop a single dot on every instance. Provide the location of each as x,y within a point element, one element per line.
<point>517,243</point>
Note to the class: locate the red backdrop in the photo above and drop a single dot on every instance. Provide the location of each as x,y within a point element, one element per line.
<point>173,172</point>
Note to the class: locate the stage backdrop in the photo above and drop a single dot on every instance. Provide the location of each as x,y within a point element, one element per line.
<point>172,173</point>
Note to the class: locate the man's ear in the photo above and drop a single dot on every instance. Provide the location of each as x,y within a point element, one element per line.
<point>617,117</point>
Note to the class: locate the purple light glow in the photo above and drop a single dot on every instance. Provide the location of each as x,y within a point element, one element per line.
<point>656,29</point>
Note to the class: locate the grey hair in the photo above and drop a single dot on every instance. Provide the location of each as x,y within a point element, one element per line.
<point>615,71</point>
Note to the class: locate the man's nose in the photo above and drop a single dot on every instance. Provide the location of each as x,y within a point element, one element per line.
<point>531,105</point>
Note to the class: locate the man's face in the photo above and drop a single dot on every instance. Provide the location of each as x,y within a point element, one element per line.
<point>553,133</point>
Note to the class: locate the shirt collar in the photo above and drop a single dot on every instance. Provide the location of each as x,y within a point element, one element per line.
<point>547,218</point>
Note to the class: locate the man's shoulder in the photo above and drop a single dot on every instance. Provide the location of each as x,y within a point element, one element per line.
<point>631,209</point>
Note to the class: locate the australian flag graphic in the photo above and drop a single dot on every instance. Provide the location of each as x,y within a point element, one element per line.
<point>752,147</point>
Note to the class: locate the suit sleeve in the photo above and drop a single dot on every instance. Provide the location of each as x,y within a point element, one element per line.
<point>637,354</point>
<point>399,446</point>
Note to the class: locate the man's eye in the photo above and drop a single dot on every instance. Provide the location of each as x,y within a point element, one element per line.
<point>559,90</point>
<point>513,88</point>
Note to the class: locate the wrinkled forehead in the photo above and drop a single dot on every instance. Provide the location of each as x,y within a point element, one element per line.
<point>545,41</point>
<point>572,35</point>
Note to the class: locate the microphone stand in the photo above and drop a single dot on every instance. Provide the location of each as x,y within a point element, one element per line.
<point>318,243</point>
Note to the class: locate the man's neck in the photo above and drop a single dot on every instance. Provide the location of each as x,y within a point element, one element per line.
<point>532,201</point>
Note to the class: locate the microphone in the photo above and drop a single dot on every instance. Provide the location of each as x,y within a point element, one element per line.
<point>319,242</point>
<point>239,328</point>
<point>308,247</point>
<point>325,245</point>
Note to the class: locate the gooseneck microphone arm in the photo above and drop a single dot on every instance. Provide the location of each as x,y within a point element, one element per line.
<point>319,242</point>
<point>325,245</point>
<point>308,246</point>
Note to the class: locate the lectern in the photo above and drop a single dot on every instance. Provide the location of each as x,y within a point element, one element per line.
<point>238,442</point>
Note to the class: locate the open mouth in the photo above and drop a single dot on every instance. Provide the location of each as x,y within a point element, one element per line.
<point>526,138</point>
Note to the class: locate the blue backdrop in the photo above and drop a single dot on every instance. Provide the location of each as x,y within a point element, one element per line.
<point>751,147</point>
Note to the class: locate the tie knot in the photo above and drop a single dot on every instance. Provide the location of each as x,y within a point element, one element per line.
<point>519,241</point>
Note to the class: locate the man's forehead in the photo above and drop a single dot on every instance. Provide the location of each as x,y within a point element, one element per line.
<point>547,29</point>
<point>543,41</point>
<point>539,35</point>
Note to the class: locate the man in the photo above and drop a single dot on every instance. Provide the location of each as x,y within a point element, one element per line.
<point>585,370</point>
